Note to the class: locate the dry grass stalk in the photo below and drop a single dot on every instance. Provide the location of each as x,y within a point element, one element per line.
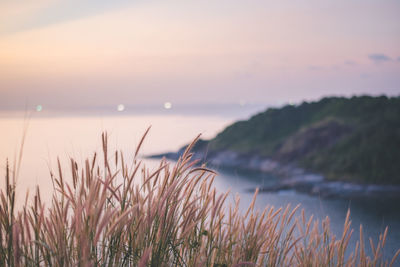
<point>173,217</point>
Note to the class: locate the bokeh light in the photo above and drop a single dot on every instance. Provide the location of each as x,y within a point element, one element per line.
<point>167,105</point>
<point>120,107</point>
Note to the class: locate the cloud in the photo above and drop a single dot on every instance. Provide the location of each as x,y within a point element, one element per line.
<point>365,75</point>
<point>350,63</point>
<point>50,12</point>
<point>398,59</point>
<point>379,58</point>
<point>315,67</point>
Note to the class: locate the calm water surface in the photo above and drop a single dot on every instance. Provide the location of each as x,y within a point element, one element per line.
<point>78,137</point>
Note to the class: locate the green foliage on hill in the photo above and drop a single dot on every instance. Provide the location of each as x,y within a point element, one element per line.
<point>353,139</point>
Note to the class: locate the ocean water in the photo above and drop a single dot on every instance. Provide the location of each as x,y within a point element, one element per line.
<point>48,138</point>
<point>51,137</point>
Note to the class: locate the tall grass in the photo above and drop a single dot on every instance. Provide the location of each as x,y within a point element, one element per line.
<point>110,212</point>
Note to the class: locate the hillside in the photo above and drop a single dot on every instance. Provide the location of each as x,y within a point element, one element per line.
<point>348,139</point>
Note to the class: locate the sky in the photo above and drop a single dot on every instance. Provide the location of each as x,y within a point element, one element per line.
<point>79,53</point>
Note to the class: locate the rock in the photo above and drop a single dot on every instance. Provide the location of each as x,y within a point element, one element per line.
<point>268,165</point>
<point>292,177</point>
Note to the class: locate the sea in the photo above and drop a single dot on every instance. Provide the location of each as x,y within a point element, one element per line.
<point>49,136</point>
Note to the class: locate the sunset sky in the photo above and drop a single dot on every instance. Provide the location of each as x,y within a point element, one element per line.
<point>75,54</point>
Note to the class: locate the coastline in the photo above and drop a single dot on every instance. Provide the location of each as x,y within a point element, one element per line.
<point>291,177</point>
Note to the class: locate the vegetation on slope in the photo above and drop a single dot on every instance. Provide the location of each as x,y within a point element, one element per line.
<point>352,139</point>
<point>109,212</point>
